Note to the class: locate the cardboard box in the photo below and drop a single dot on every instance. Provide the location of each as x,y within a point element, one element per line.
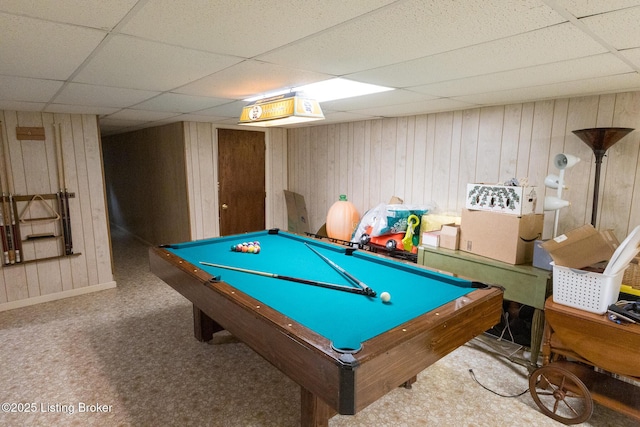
<point>431,238</point>
<point>450,237</point>
<point>296,212</point>
<point>581,247</point>
<point>578,255</point>
<point>501,198</point>
<point>504,237</point>
<point>434,222</point>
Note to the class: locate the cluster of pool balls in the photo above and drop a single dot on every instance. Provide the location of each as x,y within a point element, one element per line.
<point>247,247</point>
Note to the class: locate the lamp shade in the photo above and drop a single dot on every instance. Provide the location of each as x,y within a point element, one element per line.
<point>552,203</point>
<point>565,161</point>
<point>552,181</point>
<point>600,140</point>
<point>281,110</point>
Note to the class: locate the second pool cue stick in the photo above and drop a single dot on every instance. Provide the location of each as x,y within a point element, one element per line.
<point>63,195</point>
<point>13,238</point>
<point>5,243</point>
<point>366,289</point>
<point>15,229</point>
<point>3,224</point>
<point>5,233</point>
<point>69,242</point>
<point>6,215</point>
<point>57,135</point>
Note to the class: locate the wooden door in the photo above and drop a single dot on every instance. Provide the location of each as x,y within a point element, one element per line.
<point>241,181</point>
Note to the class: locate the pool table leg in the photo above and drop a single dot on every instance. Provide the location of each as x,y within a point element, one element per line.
<point>409,383</point>
<point>314,412</point>
<point>203,326</point>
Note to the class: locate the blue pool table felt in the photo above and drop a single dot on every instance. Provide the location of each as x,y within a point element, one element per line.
<point>345,319</point>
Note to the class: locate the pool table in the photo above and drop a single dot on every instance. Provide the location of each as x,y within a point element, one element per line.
<point>345,349</point>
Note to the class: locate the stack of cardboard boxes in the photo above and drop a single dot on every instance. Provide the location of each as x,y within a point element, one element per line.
<point>500,222</point>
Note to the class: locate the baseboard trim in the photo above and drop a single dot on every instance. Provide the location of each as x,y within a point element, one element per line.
<point>56,296</point>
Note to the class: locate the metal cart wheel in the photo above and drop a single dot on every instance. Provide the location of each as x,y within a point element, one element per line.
<point>560,394</point>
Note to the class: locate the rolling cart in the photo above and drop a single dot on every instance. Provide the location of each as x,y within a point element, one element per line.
<point>587,358</point>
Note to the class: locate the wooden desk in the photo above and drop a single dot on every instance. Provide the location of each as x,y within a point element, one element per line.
<point>524,284</point>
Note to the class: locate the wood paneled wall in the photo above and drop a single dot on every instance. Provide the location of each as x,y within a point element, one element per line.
<point>202,178</point>
<point>431,158</point>
<point>146,187</point>
<point>34,170</point>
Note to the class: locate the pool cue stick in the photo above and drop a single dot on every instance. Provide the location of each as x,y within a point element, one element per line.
<point>367,290</point>
<point>5,247</point>
<point>289,278</point>
<point>15,228</point>
<point>5,242</point>
<point>12,214</point>
<point>63,228</point>
<point>7,226</point>
<point>64,193</point>
<point>61,209</point>
<point>5,206</point>
<point>69,242</point>
<point>3,230</point>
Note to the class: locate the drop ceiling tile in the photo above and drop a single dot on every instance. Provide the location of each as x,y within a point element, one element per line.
<point>343,116</point>
<point>179,103</point>
<point>241,28</point>
<point>79,109</point>
<point>577,69</point>
<point>21,106</point>
<point>621,28</point>
<point>394,97</point>
<point>134,63</point>
<point>410,30</point>
<point>201,118</point>
<point>141,115</point>
<point>250,78</point>
<point>111,122</point>
<point>581,8</point>
<point>413,108</point>
<point>232,109</point>
<point>633,55</point>
<point>30,90</point>
<point>89,13</point>
<point>102,96</point>
<point>112,126</point>
<point>228,121</point>
<point>542,46</point>
<point>599,85</point>
<point>41,49</point>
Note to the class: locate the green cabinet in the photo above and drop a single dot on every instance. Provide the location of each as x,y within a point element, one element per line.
<point>524,284</point>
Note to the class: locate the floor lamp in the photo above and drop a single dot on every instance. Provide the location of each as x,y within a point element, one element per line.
<point>600,139</point>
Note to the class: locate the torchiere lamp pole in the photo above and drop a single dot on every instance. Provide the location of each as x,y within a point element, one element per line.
<point>600,139</point>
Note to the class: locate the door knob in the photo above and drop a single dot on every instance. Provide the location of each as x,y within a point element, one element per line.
<point>225,206</point>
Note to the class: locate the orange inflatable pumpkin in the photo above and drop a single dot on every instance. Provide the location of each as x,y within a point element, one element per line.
<point>342,219</point>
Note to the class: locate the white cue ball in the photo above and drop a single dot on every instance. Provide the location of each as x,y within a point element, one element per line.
<point>385,297</point>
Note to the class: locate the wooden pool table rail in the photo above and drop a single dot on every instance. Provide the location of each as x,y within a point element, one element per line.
<point>330,382</point>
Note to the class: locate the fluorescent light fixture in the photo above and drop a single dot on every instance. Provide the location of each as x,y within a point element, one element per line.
<point>329,90</point>
<point>338,88</point>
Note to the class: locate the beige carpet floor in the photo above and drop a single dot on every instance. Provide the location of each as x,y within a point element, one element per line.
<point>127,357</point>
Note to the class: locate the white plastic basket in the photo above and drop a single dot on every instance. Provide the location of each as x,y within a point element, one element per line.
<point>585,290</point>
